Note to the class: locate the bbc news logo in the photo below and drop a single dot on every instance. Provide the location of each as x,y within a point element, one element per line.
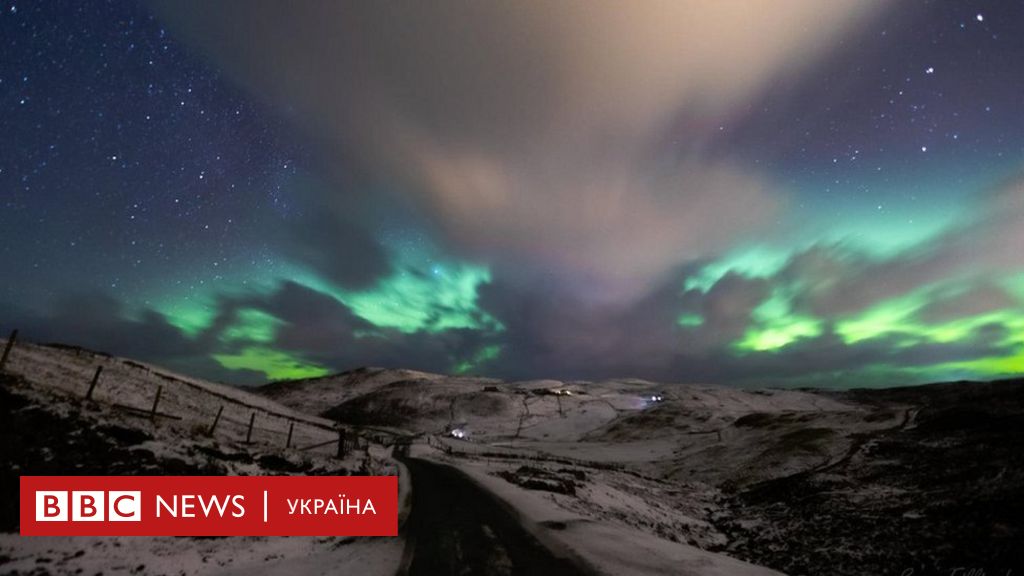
<point>89,506</point>
<point>209,506</point>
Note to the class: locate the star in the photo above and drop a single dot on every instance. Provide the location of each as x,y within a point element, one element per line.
<point>859,104</point>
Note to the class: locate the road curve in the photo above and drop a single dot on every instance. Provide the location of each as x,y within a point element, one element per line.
<point>457,527</point>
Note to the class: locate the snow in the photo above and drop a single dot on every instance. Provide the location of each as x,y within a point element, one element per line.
<point>610,547</point>
<point>202,556</point>
<point>646,474</point>
<point>58,378</point>
<point>135,384</point>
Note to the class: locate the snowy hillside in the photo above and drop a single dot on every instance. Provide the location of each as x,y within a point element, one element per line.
<point>48,427</point>
<point>677,431</point>
<point>793,479</point>
<point>612,477</point>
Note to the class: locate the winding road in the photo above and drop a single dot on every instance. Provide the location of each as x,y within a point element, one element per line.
<point>457,527</point>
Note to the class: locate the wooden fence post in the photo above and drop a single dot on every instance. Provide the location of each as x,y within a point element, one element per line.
<point>95,381</point>
<point>156,402</point>
<point>216,419</point>
<point>341,442</point>
<point>7,349</point>
<point>248,434</point>
<point>291,426</point>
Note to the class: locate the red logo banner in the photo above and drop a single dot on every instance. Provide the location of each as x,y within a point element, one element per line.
<point>209,505</point>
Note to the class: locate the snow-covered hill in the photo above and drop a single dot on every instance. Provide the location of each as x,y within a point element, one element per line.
<point>48,427</point>
<point>632,477</point>
<point>678,431</point>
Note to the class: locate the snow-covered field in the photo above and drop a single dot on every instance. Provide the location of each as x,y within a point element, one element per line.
<point>70,371</point>
<point>239,556</point>
<point>75,434</point>
<point>629,475</point>
<point>632,477</point>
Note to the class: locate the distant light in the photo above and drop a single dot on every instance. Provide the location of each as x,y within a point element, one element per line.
<point>979,17</point>
<point>929,70</point>
<point>924,148</point>
<point>458,433</point>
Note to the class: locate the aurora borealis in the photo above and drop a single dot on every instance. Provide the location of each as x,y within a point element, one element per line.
<point>793,193</point>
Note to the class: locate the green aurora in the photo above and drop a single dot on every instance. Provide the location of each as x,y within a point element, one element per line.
<point>789,200</point>
<point>433,300</point>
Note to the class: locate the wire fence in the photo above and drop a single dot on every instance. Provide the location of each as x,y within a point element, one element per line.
<point>141,390</point>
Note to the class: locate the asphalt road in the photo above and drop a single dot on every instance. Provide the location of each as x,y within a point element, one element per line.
<point>457,527</point>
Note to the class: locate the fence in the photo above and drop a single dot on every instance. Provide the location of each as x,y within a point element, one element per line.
<point>292,431</point>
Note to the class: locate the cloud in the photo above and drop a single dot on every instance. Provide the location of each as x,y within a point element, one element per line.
<point>567,159</point>
<point>725,310</point>
<point>829,361</point>
<point>976,300</point>
<point>332,238</point>
<point>566,139</point>
<point>837,279</point>
<point>548,333</point>
<point>302,331</point>
<point>316,329</point>
<point>99,321</point>
<point>942,305</point>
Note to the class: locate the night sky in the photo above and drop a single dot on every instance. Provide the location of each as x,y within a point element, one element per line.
<point>759,192</point>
